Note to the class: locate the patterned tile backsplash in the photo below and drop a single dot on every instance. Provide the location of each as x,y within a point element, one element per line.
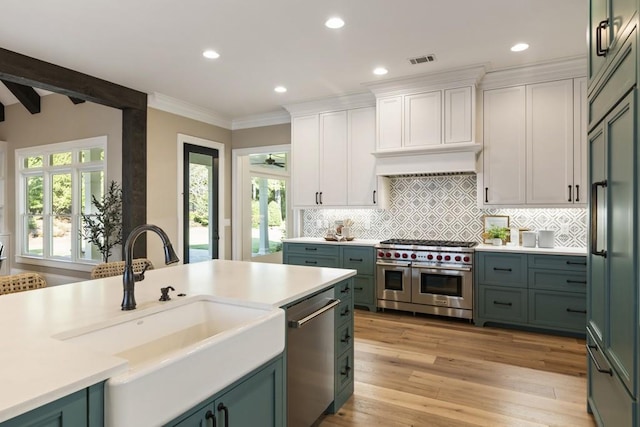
<point>444,207</point>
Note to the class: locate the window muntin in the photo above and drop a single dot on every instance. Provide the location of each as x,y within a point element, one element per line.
<point>56,183</point>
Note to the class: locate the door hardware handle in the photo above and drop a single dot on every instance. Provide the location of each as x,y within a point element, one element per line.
<point>576,263</point>
<point>310,248</point>
<point>345,339</point>
<point>594,218</point>
<point>374,197</point>
<point>300,323</point>
<point>577,193</point>
<point>346,371</point>
<point>577,282</point>
<point>222,407</point>
<point>509,304</point>
<point>501,269</point>
<point>321,197</point>
<point>570,310</point>
<point>209,416</point>
<point>358,289</point>
<point>595,361</point>
<point>569,194</point>
<point>317,198</point>
<point>486,194</point>
<point>345,290</point>
<point>602,25</point>
<point>310,262</point>
<point>355,259</point>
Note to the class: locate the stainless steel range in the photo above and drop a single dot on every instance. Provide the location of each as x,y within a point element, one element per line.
<point>426,276</point>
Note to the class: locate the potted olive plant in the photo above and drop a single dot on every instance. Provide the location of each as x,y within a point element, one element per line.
<point>103,228</point>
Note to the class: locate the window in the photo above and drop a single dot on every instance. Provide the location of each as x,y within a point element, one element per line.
<point>55,184</point>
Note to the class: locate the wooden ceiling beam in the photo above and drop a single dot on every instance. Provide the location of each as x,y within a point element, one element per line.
<point>28,71</point>
<point>26,95</point>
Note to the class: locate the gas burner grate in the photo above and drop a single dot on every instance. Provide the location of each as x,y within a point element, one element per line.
<point>423,242</point>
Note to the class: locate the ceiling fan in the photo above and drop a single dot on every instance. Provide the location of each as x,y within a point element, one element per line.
<point>270,161</point>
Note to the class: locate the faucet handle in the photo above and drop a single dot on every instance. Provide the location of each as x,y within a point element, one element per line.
<point>165,293</point>
<point>138,277</point>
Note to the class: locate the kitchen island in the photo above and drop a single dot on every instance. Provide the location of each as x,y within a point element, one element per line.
<point>37,367</point>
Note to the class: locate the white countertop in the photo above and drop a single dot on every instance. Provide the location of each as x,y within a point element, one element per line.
<point>36,369</point>
<point>354,242</point>
<point>536,250</point>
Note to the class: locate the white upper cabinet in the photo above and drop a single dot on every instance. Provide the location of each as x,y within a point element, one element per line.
<point>580,120</point>
<point>305,160</point>
<point>333,159</point>
<point>389,112</point>
<point>549,142</point>
<point>504,158</point>
<point>459,121</point>
<point>423,119</point>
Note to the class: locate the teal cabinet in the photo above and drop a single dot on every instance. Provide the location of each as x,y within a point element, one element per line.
<point>344,353</point>
<point>255,400</point>
<point>541,291</point>
<point>82,408</point>
<point>360,258</point>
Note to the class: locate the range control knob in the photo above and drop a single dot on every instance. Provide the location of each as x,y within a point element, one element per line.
<point>439,257</point>
<point>380,254</point>
<point>397,255</point>
<point>414,256</point>
<point>429,256</point>
<point>447,258</point>
<point>465,259</point>
<point>388,254</point>
<point>458,258</point>
<point>404,255</point>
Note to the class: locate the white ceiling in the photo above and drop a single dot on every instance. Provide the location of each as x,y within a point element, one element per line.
<point>155,46</point>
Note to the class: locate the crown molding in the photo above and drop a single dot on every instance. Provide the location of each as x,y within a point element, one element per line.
<point>336,103</point>
<point>258,120</point>
<point>185,109</point>
<point>467,76</point>
<point>567,68</point>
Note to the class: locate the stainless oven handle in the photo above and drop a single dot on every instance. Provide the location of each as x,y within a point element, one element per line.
<point>390,264</point>
<point>300,323</point>
<point>431,267</point>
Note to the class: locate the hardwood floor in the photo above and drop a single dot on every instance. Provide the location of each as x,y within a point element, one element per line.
<point>426,371</point>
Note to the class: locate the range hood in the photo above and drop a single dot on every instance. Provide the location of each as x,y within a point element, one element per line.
<point>440,159</point>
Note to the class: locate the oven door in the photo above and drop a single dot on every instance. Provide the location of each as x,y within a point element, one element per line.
<point>442,286</point>
<point>393,281</point>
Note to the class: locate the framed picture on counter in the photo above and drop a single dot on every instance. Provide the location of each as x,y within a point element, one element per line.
<point>494,221</point>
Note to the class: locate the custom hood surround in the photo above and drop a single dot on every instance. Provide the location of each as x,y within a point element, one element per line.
<point>427,124</point>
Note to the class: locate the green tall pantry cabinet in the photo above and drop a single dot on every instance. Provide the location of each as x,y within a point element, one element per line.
<point>613,260</point>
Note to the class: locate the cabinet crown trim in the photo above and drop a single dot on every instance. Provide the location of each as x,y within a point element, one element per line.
<point>338,103</point>
<point>575,67</point>
<point>449,79</point>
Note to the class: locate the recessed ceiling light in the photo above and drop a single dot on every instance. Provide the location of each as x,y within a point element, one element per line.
<point>334,23</point>
<point>380,71</point>
<point>210,54</point>
<point>519,47</point>
<point>280,89</point>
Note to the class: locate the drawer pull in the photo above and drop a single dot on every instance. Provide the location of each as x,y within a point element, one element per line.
<point>570,310</point>
<point>579,282</point>
<point>509,304</point>
<point>576,263</point>
<point>359,288</point>
<point>310,249</point>
<point>346,339</point>
<point>311,262</point>
<point>501,269</point>
<point>345,290</point>
<point>355,259</point>
<point>595,361</point>
<point>345,312</point>
<point>346,371</point>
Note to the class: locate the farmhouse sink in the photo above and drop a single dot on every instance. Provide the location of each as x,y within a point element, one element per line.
<point>179,356</point>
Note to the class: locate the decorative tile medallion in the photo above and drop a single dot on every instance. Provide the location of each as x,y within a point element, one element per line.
<point>444,207</point>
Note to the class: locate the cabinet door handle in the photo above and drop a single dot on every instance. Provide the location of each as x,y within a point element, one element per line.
<point>374,197</point>
<point>570,310</point>
<point>602,25</point>
<point>594,218</point>
<point>577,193</point>
<point>346,338</point>
<point>508,304</point>
<point>358,289</point>
<point>569,193</point>
<point>576,263</point>
<point>345,312</point>
<point>306,261</point>
<point>486,194</point>
<point>209,416</point>
<point>355,259</point>
<point>321,197</point>
<point>577,282</point>
<point>595,361</point>
<point>223,408</point>
<point>346,371</point>
<point>317,198</point>
<point>345,290</point>
<point>307,248</point>
<point>501,269</point>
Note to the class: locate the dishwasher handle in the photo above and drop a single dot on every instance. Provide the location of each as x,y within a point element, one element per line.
<point>300,323</point>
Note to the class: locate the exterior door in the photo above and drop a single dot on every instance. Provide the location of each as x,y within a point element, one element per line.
<point>201,201</point>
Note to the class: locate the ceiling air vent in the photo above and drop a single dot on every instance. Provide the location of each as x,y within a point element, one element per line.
<point>422,59</point>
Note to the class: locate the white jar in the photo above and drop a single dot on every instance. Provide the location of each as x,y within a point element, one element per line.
<point>529,239</point>
<point>546,238</point>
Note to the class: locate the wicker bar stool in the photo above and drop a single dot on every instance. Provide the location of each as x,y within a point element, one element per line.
<point>21,282</point>
<point>116,268</point>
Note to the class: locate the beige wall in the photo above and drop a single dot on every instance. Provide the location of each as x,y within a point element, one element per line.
<point>162,166</point>
<point>262,136</point>
<point>59,121</point>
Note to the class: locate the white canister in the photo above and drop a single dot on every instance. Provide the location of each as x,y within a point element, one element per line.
<point>546,238</point>
<point>529,239</point>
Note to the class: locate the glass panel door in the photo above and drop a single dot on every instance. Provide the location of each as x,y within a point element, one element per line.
<point>268,215</point>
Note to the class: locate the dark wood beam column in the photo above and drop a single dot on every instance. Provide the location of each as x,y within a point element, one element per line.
<point>134,174</point>
<point>26,95</point>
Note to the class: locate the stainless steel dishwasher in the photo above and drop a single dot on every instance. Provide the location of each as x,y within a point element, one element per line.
<point>310,358</point>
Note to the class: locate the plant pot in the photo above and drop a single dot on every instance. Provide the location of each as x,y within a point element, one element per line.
<point>496,242</point>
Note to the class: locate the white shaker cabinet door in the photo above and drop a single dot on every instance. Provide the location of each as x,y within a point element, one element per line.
<point>305,160</point>
<point>458,114</point>
<point>333,159</point>
<point>362,182</point>
<point>389,123</point>
<point>504,147</point>
<point>423,119</point>
<point>549,143</point>
<point>580,140</point>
